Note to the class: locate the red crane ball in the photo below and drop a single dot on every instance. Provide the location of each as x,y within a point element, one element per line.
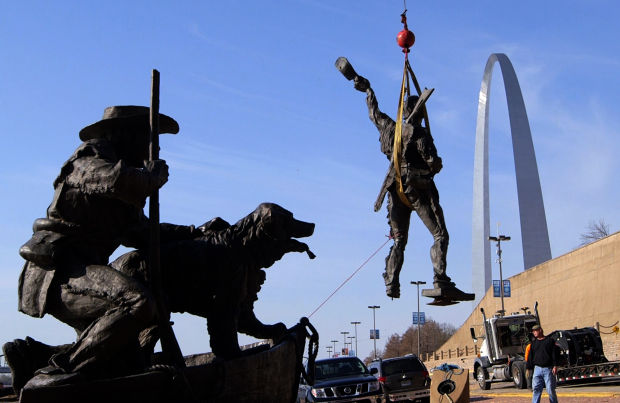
<point>405,39</point>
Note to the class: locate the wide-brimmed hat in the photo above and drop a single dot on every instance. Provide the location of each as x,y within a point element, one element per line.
<point>115,116</point>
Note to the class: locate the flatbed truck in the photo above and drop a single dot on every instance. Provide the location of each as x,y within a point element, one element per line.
<point>502,352</point>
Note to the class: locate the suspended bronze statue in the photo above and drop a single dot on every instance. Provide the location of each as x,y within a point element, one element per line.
<point>409,182</point>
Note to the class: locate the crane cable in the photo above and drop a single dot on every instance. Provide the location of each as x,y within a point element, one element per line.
<point>351,276</point>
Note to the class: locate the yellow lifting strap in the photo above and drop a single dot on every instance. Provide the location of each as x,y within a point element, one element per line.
<point>397,148</point>
<point>398,139</point>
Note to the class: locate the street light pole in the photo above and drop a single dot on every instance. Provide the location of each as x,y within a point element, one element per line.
<point>334,341</point>
<point>344,337</point>
<point>418,283</point>
<point>351,343</point>
<point>355,325</point>
<point>499,238</point>
<point>374,326</point>
<point>329,351</point>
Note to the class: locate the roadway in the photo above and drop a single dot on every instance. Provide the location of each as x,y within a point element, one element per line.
<point>504,392</point>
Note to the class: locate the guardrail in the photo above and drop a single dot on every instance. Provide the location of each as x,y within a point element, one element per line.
<point>451,353</point>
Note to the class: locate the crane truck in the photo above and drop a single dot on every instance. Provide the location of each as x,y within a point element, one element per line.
<point>502,352</point>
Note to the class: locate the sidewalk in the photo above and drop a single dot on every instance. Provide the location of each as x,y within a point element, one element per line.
<point>608,391</point>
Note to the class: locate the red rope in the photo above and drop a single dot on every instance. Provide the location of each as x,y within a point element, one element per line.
<point>350,277</point>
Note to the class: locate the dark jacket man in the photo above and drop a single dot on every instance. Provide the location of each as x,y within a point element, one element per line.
<point>543,360</point>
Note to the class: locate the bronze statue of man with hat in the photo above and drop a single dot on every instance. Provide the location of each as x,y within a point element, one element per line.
<point>97,206</point>
<point>419,164</point>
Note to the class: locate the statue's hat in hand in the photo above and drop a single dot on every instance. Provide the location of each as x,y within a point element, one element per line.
<point>343,65</point>
<point>116,116</point>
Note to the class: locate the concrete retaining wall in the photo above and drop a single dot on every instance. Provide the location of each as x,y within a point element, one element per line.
<point>578,289</point>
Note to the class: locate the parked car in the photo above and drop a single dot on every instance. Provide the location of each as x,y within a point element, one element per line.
<point>402,378</point>
<point>6,381</point>
<point>342,379</point>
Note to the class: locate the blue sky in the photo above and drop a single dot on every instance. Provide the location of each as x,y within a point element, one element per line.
<point>265,116</point>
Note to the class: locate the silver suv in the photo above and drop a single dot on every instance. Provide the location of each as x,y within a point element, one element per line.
<point>402,378</point>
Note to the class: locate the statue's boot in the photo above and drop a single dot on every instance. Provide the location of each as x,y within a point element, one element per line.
<point>52,376</point>
<point>446,293</point>
<point>17,356</point>
<point>392,285</point>
<point>393,291</point>
<point>24,357</point>
<point>393,265</point>
<point>56,374</point>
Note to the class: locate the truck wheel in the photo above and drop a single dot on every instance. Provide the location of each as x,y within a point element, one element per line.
<point>481,377</point>
<point>518,375</point>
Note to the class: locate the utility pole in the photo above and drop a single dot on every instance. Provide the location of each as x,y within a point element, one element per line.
<point>329,351</point>
<point>499,238</point>
<point>355,325</point>
<point>418,283</point>
<point>374,326</point>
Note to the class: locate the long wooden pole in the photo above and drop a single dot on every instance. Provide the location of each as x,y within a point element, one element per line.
<point>169,345</point>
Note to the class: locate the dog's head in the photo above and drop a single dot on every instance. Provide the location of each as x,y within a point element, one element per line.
<point>273,229</point>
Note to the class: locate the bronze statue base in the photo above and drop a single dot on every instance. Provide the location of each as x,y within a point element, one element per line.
<point>447,295</point>
<point>205,379</point>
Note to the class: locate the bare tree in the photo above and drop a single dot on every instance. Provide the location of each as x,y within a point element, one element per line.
<point>394,347</point>
<point>595,231</point>
<point>371,356</point>
<point>433,335</point>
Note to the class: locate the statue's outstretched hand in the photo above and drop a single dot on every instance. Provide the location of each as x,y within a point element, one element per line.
<point>361,83</point>
<point>158,172</point>
<point>276,331</point>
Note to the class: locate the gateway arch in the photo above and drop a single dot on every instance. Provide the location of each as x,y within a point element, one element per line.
<point>534,234</point>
